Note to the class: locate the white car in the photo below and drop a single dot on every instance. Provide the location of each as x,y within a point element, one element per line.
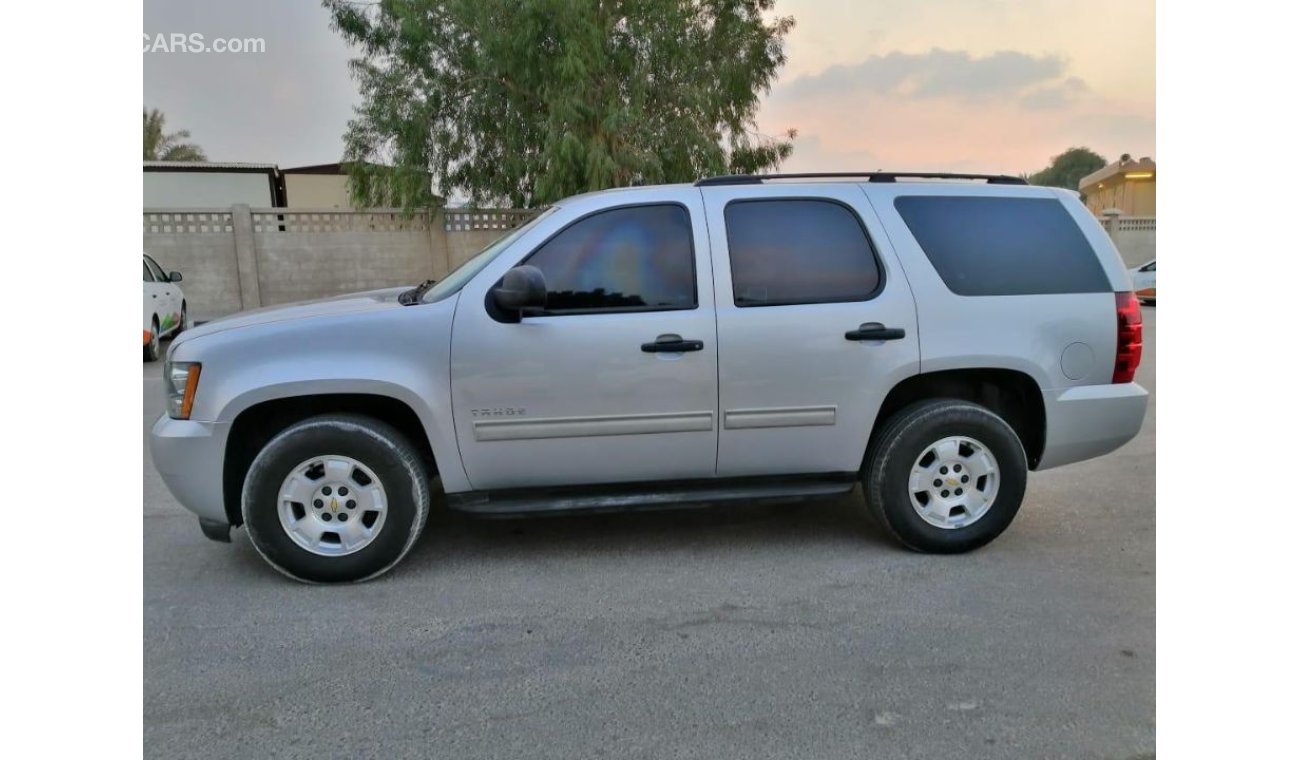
<point>165,310</point>
<point>1144,281</point>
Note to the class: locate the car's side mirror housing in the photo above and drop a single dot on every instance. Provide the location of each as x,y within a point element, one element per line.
<point>522,289</point>
<point>174,277</point>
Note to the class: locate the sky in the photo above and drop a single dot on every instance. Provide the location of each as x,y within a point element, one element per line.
<point>935,85</point>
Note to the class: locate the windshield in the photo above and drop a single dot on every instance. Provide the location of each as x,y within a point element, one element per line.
<point>462,274</point>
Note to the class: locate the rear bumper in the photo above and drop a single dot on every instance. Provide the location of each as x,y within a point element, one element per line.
<point>1091,420</point>
<point>189,456</point>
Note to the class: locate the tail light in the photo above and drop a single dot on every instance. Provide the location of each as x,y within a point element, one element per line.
<point>1128,343</point>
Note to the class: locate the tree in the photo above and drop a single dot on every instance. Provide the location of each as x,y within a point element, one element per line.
<point>1068,168</point>
<point>159,146</point>
<point>527,101</point>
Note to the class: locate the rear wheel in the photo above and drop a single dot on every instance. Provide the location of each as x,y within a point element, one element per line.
<point>946,476</point>
<point>336,498</point>
<point>151,349</point>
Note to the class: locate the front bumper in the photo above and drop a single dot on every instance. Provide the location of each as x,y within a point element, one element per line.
<point>1090,420</point>
<point>189,455</point>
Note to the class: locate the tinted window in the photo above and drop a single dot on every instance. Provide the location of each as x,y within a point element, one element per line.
<point>636,258</point>
<point>798,251</point>
<point>148,276</point>
<point>1003,246</point>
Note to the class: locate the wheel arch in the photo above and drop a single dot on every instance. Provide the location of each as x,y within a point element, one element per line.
<point>1011,394</point>
<point>256,424</point>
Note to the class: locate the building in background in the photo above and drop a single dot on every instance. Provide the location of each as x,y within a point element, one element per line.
<point>209,184</point>
<point>321,186</point>
<point>1126,186</point>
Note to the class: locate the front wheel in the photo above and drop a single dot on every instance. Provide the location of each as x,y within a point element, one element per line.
<point>335,499</point>
<point>945,476</point>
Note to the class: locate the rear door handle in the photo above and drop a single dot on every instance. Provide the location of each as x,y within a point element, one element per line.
<point>672,344</point>
<point>875,331</point>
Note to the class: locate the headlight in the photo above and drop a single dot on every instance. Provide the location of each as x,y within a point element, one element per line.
<point>181,379</point>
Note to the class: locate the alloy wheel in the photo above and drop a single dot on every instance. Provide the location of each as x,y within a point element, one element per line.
<point>332,505</point>
<point>953,482</point>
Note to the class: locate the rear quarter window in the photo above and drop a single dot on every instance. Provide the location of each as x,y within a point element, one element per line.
<point>989,246</point>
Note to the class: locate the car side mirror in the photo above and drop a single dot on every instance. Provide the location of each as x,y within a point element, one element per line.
<point>522,289</point>
<point>174,277</point>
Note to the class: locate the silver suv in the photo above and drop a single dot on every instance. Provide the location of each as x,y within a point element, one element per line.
<point>932,337</point>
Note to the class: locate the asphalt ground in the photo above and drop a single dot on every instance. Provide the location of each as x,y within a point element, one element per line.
<point>794,630</point>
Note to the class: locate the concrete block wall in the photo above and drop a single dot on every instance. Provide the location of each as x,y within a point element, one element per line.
<point>211,278</point>
<point>1134,236</point>
<point>241,258</point>
<point>305,265</point>
<point>1137,247</point>
<point>461,246</point>
<point>469,232</point>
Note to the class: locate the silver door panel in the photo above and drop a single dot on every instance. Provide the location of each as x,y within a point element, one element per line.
<point>797,397</point>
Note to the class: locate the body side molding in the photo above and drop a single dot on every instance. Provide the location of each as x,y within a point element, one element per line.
<point>770,417</point>
<point>579,427</point>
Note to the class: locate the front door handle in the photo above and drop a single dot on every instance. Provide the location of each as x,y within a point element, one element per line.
<point>672,344</point>
<point>875,331</point>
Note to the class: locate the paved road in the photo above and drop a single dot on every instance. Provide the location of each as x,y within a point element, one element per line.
<point>759,631</point>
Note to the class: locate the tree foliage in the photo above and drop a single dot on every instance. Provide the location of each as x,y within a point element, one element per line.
<point>527,101</point>
<point>1068,168</point>
<point>160,146</point>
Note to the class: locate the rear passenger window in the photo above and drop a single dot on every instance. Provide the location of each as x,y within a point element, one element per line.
<point>638,258</point>
<point>1003,246</point>
<point>798,251</point>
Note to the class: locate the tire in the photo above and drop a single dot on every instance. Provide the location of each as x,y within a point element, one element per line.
<point>278,530</point>
<point>151,349</point>
<point>184,324</point>
<point>943,434</point>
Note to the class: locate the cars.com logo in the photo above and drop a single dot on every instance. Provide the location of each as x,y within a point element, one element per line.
<point>178,42</point>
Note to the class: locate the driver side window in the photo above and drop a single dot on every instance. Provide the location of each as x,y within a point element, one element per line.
<point>637,258</point>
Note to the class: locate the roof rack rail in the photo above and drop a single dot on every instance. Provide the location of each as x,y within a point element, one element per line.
<point>756,179</point>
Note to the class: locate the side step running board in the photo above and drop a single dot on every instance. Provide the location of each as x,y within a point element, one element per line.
<point>643,496</point>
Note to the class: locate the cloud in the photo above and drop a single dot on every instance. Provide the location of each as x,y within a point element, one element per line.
<point>812,154</point>
<point>942,74</point>
<point>1055,95</point>
<point>1126,132</point>
<point>856,130</point>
